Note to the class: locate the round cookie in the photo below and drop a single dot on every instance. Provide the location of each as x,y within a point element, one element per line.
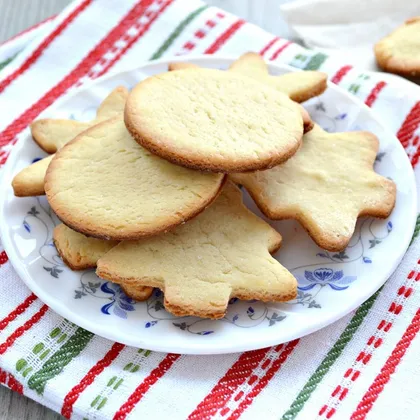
<point>103,184</point>
<point>214,120</point>
<point>399,52</point>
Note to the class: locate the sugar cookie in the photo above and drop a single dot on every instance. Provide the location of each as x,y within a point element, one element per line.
<point>103,184</point>
<point>80,252</point>
<point>224,252</point>
<point>182,65</point>
<point>326,186</point>
<point>52,134</point>
<point>214,120</point>
<point>299,86</point>
<point>399,52</point>
<point>30,180</point>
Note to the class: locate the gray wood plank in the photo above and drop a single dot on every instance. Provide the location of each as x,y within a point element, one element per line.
<point>17,407</point>
<point>17,15</point>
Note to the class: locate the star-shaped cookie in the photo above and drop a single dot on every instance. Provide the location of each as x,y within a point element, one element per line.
<point>222,253</point>
<point>326,186</point>
<point>52,134</point>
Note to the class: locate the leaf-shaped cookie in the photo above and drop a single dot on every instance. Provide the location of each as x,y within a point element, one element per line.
<point>224,252</point>
<point>326,186</point>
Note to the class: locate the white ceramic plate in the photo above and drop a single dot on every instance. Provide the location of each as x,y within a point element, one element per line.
<point>330,284</point>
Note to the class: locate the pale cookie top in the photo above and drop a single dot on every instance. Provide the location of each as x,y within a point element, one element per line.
<point>222,253</point>
<point>326,186</point>
<point>105,185</point>
<point>298,85</point>
<point>30,180</point>
<point>214,120</point>
<point>52,134</point>
<point>399,52</point>
<point>78,251</point>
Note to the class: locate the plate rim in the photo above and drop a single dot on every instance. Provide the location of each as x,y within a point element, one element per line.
<point>203,349</point>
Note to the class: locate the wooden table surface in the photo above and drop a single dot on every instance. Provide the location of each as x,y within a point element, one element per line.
<point>15,16</point>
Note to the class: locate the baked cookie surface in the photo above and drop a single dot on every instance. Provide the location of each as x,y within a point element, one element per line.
<point>30,180</point>
<point>298,85</point>
<point>80,253</point>
<point>326,186</point>
<point>399,52</point>
<point>214,120</point>
<point>52,134</point>
<point>224,252</point>
<point>103,184</point>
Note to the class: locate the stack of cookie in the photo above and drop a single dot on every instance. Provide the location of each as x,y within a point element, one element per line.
<point>149,196</point>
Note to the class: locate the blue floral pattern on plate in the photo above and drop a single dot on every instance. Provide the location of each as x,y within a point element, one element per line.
<point>312,280</point>
<point>120,302</point>
<point>325,277</point>
<point>80,297</point>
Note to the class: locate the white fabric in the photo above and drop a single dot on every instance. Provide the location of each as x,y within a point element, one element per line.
<point>180,389</point>
<point>347,29</point>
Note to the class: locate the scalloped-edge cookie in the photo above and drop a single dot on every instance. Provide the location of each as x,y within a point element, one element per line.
<point>52,134</point>
<point>222,253</point>
<point>214,120</point>
<point>80,253</point>
<point>103,184</point>
<point>399,52</point>
<point>326,186</point>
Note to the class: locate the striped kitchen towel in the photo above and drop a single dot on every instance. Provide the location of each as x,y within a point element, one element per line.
<point>365,365</point>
